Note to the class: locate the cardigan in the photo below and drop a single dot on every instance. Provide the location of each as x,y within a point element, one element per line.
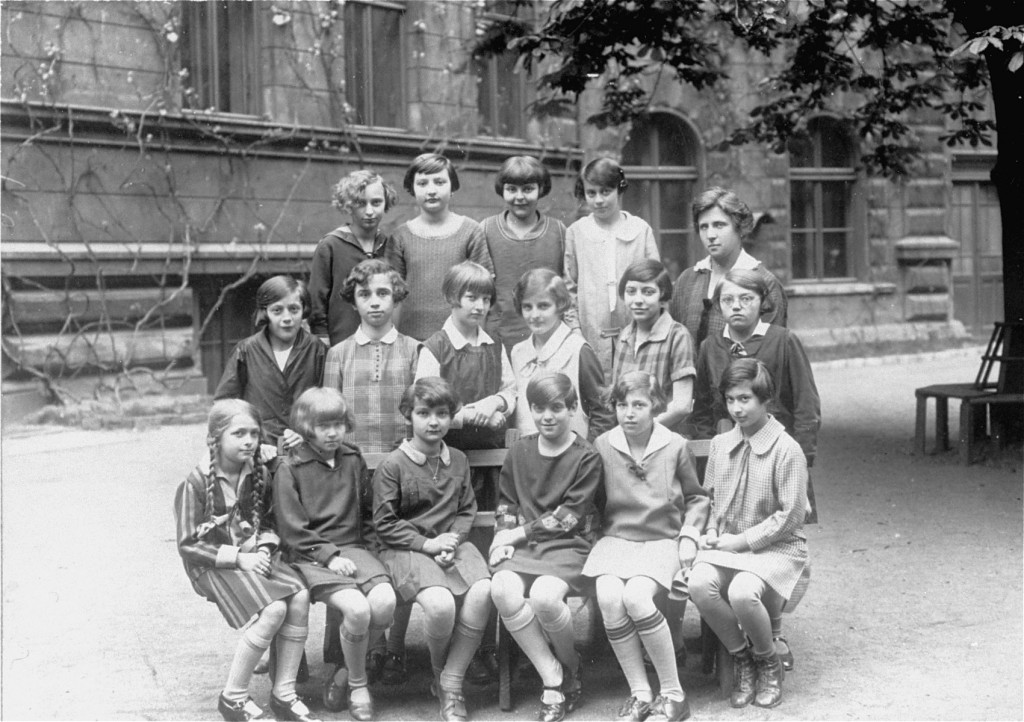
<point>335,256</point>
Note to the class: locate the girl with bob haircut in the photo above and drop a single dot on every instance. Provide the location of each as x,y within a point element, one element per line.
<point>542,298</point>
<point>653,514</point>
<point>545,526</point>
<point>432,242</point>
<point>722,221</point>
<point>273,366</point>
<point>324,510</point>
<point>365,197</point>
<point>653,341</point>
<point>229,547</point>
<point>598,249</point>
<point>520,238</point>
<point>423,510</point>
<point>753,558</point>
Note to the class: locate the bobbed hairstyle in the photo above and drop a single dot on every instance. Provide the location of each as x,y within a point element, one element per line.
<point>752,281</point>
<point>743,371</point>
<point>647,271</point>
<point>429,163</point>
<point>549,388</point>
<point>319,405</point>
<point>347,192</point>
<point>603,173</point>
<point>730,204</point>
<point>467,277</point>
<point>363,272</point>
<point>432,391</point>
<point>520,170</point>
<point>643,382</point>
<point>541,281</point>
<point>273,290</point>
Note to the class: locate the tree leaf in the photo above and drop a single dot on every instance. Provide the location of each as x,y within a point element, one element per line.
<point>1016,61</point>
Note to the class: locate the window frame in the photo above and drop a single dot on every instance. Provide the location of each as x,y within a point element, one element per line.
<point>366,43</point>
<point>817,175</point>
<point>490,67</point>
<point>205,58</point>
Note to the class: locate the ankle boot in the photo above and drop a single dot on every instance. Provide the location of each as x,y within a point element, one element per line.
<point>769,680</point>
<point>744,678</point>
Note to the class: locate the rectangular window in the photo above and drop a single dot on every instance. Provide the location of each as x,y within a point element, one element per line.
<point>219,48</point>
<point>820,228</point>
<point>374,67</point>
<point>502,91</point>
<point>974,222</point>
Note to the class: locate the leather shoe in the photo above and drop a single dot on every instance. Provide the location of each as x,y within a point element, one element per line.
<point>294,711</point>
<point>362,711</point>
<point>335,694</point>
<point>239,711</point>
<point>785,652</point>
<point>744,679</point>
<point>635,710</point>
<point>769,680</point>
<point>666,709</point>
<point>572,687</point>
<point>394,670</point>
<point>552,711</point>
<point>484,667</point>
<point>453,704</point>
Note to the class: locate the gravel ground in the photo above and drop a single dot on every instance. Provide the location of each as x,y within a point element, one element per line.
<point>914,611</point>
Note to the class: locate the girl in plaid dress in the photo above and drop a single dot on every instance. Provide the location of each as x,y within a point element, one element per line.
<point>229,549</point>
<point>753,555</point>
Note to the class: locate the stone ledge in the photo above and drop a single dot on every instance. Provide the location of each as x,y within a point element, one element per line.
<point>887,333</point>
<point>840,288</point>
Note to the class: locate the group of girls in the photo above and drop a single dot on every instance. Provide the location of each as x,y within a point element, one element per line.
<point>436,339</point>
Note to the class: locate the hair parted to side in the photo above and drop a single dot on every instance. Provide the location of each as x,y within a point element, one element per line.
<point>744,371</point>
<point>752,281</point>
<point>730,204</point>
<point>539,281</point>
<point>431,391</point>
<point>467,277</point>
<point>364,271</point>
<point>549,388</point>
<point>273,290</point>
<point>520,170</point>
<point>222,413</point>
<point>648,271</point>
<point>319,405</point>
<point>348,192</point>
<point>603,173</point>
<point>639,381</point>
<point>429,163</point>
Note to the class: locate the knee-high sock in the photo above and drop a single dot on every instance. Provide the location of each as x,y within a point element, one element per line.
<point>254,642</point>
<point>291,642</point>
<point>377,639</point>
<point>353,646</point>
<point>657,640</point>
<point>438,648</point>
<point>465,641</point>
<point>561,634</point>
<point>626,645</point>
<point>526,630</point>
<point>396,637</point>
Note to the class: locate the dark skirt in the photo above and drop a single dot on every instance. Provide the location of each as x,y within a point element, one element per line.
<point>562,558</point>
<point>412,571</point>
<point>241,595</point>
<point>322,582</point>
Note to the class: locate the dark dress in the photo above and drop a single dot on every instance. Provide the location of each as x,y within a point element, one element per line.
<point>416,499</point>
<point>323,512</point>
<point>554,500</point>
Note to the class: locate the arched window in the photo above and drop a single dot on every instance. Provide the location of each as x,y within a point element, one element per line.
<point>660,161</point>
<point>821,179</point>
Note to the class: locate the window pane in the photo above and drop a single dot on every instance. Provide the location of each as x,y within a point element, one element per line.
<point>835,199</point>
<point>510,96</point>
<point>675,145</point>
<point>803,255</point>
<point>801,152</point>
<point>990,227</point>
<point>673,224</point>
<point>637,199</point>
<point>485,96</point>
<point>834,255</point>
<point>638,150</point>
<point>386,51</point>
<point>835,143</point>
<point>356,56</point>
<point>801,194</point>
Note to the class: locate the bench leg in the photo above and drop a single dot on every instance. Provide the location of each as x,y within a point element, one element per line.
<point>332,640</point>
<point>967,431</point>
<point>920,424</point>
<point>504,654</point>
<point>941,424</point>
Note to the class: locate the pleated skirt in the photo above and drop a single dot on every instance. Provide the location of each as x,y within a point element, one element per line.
<point>322,582</point>
<point>241,595</point>
<point>412,571</point>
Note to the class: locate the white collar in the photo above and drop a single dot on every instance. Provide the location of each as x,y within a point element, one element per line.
<point>631,228</point>
<point>660,437</point>
<point>761,442</point>
<point>362,339</point>
<point>549,348</point>
<point>459,341</point>
<point>759,330</point>
<point>744,262</point>
<point>419,458</point>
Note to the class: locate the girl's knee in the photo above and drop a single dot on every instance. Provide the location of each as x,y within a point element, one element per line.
<point>275,612</point>
<point>506,590</point>
<point>477,606</point>
<point>745,590</point>
<point>547,596</point>
<point>638,599</point>
<point>609,597</point>
<point>438,606</point>
<point>703,583</point>
<point>382,604</point>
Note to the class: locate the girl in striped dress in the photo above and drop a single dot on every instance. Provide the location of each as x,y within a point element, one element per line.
<point>753,557</point>
<point>230,552</point>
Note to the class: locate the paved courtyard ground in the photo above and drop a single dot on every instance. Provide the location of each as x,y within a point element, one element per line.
<point>914,611</point>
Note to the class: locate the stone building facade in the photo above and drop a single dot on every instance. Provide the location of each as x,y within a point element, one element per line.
<point>162,159</point>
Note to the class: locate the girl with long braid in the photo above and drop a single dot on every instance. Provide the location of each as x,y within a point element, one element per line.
<point>227,543</point>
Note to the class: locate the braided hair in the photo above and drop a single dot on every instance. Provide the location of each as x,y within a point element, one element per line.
<point>222,413</point>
